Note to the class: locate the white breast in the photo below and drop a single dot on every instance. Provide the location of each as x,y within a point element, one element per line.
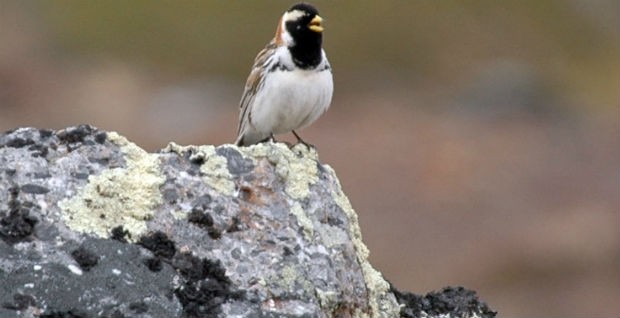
<point>290,100</point>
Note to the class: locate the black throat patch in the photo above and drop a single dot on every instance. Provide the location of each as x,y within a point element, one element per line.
<point>306,50</point>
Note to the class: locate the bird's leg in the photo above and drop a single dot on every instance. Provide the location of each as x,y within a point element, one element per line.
<point>299,140</point>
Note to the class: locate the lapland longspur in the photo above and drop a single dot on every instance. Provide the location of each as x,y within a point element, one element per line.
<point>291,83</point>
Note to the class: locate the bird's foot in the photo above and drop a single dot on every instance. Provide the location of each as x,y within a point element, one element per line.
<point>301,141</point>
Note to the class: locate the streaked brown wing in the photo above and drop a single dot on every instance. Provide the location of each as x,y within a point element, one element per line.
<point>253,83</point>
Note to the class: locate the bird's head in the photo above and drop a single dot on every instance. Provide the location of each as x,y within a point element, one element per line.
<point>300,25</point>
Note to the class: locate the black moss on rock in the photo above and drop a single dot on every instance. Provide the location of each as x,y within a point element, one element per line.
<point>205,286</point>
<point>154,264</point>
<point>16,224</point>
<point>19,142</point>
<point>39,150</point>
<point>203,219</point>
<point>85,258</point>
<point>75,134</point>
<point>101,137</point>
<point>452,301</point>
<point>120,234</point>
<point>200,218</point>
<point>196,160</point>
<point>73,313</point>
<point>158,243</point>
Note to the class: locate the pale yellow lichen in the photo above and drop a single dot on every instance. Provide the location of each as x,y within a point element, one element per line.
<point>215,171</point>
<point>179,215</point>
<point>382,302</point>
<point>214,168</point>
<point>303,220</point>
<point>290,278</point>
<point>332,236</point>
<point>297,167</point>
<point>176,148</point>
<point>288,275</point>
<point>118,196</point>
<point>327,299</point>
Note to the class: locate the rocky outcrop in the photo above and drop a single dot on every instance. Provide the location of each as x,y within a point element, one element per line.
<point>93,226</point>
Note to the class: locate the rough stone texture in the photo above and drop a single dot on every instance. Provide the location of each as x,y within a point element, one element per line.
<point>93,226</point>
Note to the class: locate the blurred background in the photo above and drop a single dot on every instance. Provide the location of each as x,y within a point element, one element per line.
<point>479,141</point>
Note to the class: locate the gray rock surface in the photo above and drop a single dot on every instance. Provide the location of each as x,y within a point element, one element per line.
<point>93,226</point>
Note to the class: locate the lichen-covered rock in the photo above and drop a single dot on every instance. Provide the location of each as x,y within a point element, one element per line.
<point>93,226</point>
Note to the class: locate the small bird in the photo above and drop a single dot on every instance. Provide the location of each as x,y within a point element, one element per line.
<point>290,84</point>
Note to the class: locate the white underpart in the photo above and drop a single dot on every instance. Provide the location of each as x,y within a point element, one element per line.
<point>290,100</point>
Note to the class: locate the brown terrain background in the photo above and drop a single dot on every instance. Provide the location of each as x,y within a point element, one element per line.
<point>479,141</point>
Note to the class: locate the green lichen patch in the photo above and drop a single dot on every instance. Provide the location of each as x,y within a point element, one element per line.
<point>213,168</point>
<point>215,171</point>
<point>297,167</point>
<point>303,220</point>
<point>332,236</point>
<point>290,279</point>
<point>120,196</point>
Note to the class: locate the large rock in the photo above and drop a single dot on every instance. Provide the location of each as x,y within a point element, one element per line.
<point>93,226</point>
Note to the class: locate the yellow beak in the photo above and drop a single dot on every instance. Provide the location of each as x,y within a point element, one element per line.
<point>315,24</point>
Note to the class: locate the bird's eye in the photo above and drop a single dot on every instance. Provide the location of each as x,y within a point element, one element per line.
<point>299,27</point>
